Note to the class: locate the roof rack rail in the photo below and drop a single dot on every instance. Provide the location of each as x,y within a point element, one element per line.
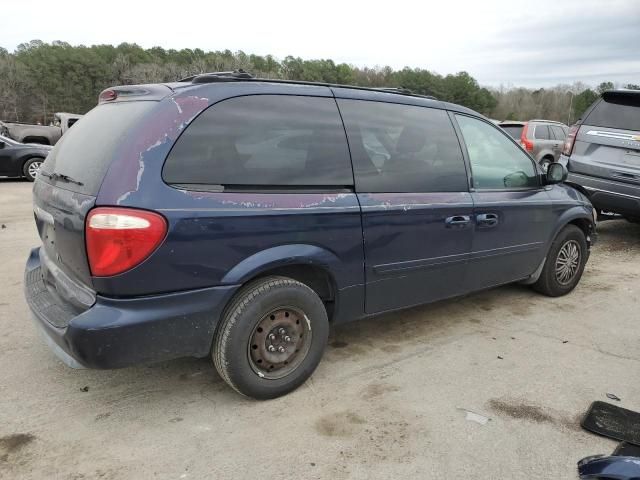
<point>211,77</point>
<point>242,75</point>
<point>404,91</point>
<point>543,120</point>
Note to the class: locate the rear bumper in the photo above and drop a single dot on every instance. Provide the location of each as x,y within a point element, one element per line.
<point>610,195</point>
<point>116,333</point>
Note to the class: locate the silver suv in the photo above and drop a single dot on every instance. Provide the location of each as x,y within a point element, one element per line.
<point>543,139</point>
<point>602,153</point>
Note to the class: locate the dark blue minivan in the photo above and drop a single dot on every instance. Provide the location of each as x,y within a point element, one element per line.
<point>237,217</point>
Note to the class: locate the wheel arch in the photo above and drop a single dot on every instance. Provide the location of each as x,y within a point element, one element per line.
<point>314,266</point>
<point>36,139</point>
<point>544,153</point>
<point>26,158</point>
<point>583,224</point>
<point>579,216</point>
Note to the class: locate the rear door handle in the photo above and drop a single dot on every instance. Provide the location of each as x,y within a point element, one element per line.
<point>487,220</point>
<point>457,221</point>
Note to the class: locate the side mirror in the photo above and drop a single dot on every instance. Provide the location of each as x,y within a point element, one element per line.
<point>556,173</point>
<point>517,179</point>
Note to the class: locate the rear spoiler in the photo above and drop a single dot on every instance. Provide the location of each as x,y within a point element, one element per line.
<point>622,97</point>
<point>127,93</point>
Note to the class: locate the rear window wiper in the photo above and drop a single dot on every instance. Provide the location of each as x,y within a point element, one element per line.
<point>61,176</point>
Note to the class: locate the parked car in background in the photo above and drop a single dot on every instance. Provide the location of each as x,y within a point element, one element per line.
<point>21,160</point>
<point>543,139</point>
<point>42,134</point>
<point>237,218</point>
<point>602,153</point>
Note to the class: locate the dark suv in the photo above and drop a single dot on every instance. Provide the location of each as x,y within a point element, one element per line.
<point>602,153</point>
<point>238,217</point>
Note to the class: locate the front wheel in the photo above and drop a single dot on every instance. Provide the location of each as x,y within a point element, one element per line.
<point>271,338</point>
<point>31,168</point>
<point>565,263</point>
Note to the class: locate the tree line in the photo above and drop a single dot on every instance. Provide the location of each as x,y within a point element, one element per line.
<point>38,79</point>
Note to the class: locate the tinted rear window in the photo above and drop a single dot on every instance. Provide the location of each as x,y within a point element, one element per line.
<point>515,131</point>
<point>403,148</point>
<point>622,112</point>
<point>263,140</point>
<point>85,151</point>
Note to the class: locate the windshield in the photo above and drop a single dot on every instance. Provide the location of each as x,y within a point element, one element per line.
<point>84,153</point>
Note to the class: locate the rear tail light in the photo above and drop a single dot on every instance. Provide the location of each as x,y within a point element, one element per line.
<point>570,140</point>
<point>118,239</point>
<point>111,94</point>
<point>524,141</point>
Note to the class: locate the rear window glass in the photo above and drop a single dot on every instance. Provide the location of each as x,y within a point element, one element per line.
<point>85,151</point>
<point>403,148</point>
<point>515,131</point>
<point>263,140</point>
<point>621,112</point>
<point>542,132</point>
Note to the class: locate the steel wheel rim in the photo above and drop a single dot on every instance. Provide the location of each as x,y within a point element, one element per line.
<point>568,262</point>
<point>33,168</point>
<point>279,342</point>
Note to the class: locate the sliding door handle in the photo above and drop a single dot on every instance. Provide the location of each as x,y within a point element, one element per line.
<point>487,220</point>
<point>457,221</point>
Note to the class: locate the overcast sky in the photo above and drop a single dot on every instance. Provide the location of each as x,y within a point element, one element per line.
<point>521,43</point>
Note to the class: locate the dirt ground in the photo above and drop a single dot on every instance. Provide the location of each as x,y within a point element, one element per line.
<point>388,400</point>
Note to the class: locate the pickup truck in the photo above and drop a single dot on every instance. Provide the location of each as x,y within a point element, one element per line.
<point>43,134</point>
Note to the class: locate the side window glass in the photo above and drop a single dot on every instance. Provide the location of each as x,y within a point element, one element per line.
<point>496,162</point>
<point>542,132</point>
<point>374,148</point>
<point>271,140</point>
<point>558,132</point>
<point>403,148</point>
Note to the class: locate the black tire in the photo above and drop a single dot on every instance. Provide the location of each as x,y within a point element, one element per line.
<point>545,162</point>
<point>236,334</point>
<point>28,165</point>
<point>549,282</point>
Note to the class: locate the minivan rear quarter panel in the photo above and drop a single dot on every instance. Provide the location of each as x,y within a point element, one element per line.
<point>210,233</point>
<point>214,238</point>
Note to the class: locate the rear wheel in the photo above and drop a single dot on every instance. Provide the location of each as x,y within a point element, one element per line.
<point>565,263</point>
<point>31,168</point>
<point>271,338</point>
<point>545,162</point>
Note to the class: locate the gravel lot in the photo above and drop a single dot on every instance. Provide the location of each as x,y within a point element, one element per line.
<point>386,402</point>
